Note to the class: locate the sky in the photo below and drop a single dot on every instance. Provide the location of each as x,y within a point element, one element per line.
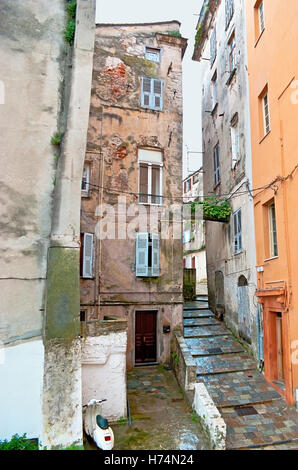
<point>136,11</point>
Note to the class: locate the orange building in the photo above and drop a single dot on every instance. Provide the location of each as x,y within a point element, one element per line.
<point>272,36</point>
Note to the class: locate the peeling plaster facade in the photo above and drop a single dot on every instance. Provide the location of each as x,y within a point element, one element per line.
<point>227,269</point>
<point>118,127</point>
<point>47,89</point>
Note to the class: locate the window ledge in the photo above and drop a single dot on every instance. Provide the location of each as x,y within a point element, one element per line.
<point>238,253</point>
<point>216,186</point>
<point>270,259</point>
<point>257,41</point>
<point>263,138</point>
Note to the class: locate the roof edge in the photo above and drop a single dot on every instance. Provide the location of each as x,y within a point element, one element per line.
<point>139,24</point>
<point>204,23</point>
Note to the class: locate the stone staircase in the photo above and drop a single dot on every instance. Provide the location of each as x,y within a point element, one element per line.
<point>256,416</point>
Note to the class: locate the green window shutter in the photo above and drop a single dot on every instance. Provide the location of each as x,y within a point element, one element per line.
<point>142,241</point>
<point>88,255</point>
<point>155,254</point>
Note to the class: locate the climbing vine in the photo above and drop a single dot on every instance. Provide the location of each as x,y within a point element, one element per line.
<point>70,28</point>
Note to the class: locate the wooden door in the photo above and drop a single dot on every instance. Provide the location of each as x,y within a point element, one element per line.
<point>279,345</point>
<point>145,340</point>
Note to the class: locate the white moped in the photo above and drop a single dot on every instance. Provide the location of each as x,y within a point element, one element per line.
<point>96,426</point>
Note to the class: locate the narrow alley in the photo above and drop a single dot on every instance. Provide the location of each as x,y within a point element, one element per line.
<point>257,417</point>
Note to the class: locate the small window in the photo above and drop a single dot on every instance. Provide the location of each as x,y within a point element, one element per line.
<point>261,17</point>
<point>83,315</point>
<point>229,11</point>
<point>213,46</point>
<point>237,232</point>
<point>235,140</point>
<point>272,231</point>
<point>152,54</point>
<point>86,180</point>
<point>232,53</point>
<point>188,185</point>
<point>86,257</point>
<point>195,179</point>
<point>147,255</point>
<point>152,93</point>
<point>150,176</point>
<point>266,116</point>
<point>214,90</point>
<point>216,165</point>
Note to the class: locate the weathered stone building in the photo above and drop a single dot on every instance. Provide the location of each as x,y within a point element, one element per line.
<point>131,269</point>
<point>221,48</point>
<point>45,87</point>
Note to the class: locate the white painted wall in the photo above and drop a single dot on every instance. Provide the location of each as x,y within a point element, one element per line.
<point>104,372</point>
<point>21,375</point>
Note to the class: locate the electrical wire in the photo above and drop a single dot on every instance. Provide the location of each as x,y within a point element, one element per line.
<point>227,196</point>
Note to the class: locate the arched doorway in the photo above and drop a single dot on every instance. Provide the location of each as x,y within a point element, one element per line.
<point>243,309</point>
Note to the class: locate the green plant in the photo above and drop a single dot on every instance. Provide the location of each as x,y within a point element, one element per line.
<point>194,417</point>
<point>213,209</point>
<point>198,34</point>
<point>122,420</point>
<point>175,34</point>
<point>70,28</point>
<point>175,358</point>
<point>56,138</point>
<point>19,443</point>
<point>54,181</point>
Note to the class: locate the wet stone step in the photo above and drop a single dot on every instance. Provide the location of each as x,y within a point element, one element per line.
<point>198,314</point>
<point>200,321</point>
<point>223,363</point>
<point>266,424</point>
<point>203,331</point>
<point>210,345</point>
<point>195,305</point>
<point>241,388</point>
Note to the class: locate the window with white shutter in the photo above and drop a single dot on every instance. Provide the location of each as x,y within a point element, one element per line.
<point>142,243</point>
<point>150,176</point>
<point>237,232</point>
<point>229,11</point>
<point>155,254</point>
<point>87,255</point>
<point>152,93</point>
<point>216,165</point>
<point>213,47</point>
<point>147,255</point>
<point>152,54</point>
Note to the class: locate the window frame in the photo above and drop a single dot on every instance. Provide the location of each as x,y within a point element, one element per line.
<point>85,192</point>
<point>152,95</point>
<point>235,139</point>
<point>214,90</point>
<point>216,165</point>
<point>154,269</point>
<point>232,53</point>
<point>152,50</point>
<point>261,17</point>
<point>84,236</point>
<point>266,129</point>
<point>273,243</point>
<point>229,11</point>
<point>149,182</point>
<point>213,46</point>
<point>237,232</point>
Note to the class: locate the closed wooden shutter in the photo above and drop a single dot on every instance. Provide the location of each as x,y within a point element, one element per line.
<point>142,241</point>
<point>152,93</point>
<point>146,92</point>
<point>88,255</point>
<point>155,254</point>
<point>157,97</point>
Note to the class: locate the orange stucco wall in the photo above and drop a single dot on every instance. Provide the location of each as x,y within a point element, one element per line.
<point>273,62</point>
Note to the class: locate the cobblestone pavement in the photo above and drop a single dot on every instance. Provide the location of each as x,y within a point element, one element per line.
<point>257,417</point>
<point>161,418</point>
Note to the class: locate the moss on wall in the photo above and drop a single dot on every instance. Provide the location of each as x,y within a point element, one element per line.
<point>63,300</point>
